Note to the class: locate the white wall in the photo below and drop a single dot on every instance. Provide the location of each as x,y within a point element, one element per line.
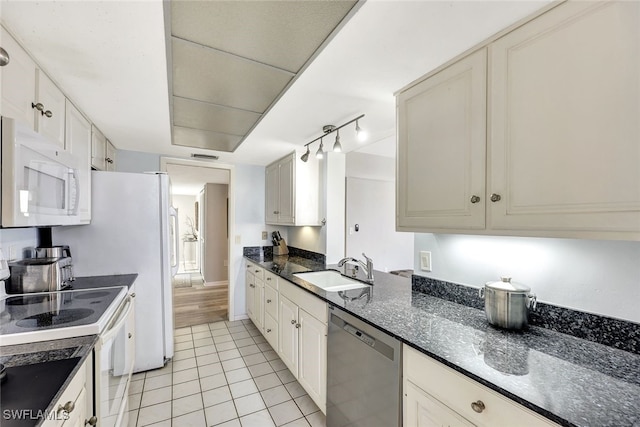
<point>369,166</point>
<point>137,161</point>
<point>17,240</point>
<point>307,238</point>
<point>601,277</point>
<point>214,268</point>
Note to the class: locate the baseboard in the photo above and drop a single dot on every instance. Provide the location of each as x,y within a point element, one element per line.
<point>220,283</point>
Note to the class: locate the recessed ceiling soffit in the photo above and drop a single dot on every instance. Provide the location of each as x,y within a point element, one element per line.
<point>232,60</point>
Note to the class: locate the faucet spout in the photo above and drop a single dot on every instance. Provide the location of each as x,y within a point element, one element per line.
<point>368,267</point>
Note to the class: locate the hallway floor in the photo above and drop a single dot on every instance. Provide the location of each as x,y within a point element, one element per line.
<point>196,304</point>
<point>223,374</point>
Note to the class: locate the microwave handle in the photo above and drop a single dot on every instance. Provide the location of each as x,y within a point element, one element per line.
<point>117,324</point>
<point>76,198</point>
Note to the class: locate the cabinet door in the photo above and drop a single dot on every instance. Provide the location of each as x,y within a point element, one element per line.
<point>423,410</point>
<point>18,82</point>
<point>312,373</point>
<point>110,156</point>
<point>271,331</point>
<point>78,416</point>
<point>258,303</point>
<point>441,149</point>
<point>251,295</point>
<point>51,121</point>
<point>270,301</point>
<point>286,185</point>
<point>78,143</point>
<point>98,147</point>
<point>564,133</point>
<point>271,194</point>
<point>288,334</point>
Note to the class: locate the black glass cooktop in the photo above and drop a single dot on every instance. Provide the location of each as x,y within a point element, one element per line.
<point>24,313</point>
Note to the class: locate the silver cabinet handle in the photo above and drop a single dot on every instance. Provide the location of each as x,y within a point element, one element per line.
<point>475,199</point>
<point>276,212</point>
<point>47,113</point>
<point>297,325</point>
<point>495,197</point>
<point>293,322</point>
<point>68,407</point>
<point>130,335</point>
<point>38,106</point>
<point>268,279</point>
<point>268,330</point>
<point>4,57</point>
<point>268,301</point>
<point>91,421</point>
<point>252,285</point>
<point>478,406</point>
<point>257,271</point>
<point>133,295</point>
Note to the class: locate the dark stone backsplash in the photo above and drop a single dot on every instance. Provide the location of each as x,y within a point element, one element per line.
<point>266,252</point>
<point>620,334</point>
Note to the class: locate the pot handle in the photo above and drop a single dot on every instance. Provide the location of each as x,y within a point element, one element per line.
<point>533,301</point>
<point>481,293</point>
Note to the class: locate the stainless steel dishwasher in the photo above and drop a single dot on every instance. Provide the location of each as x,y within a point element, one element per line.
<point>363,374</point>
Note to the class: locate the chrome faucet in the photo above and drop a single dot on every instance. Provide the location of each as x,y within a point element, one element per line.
<point>368,267</point>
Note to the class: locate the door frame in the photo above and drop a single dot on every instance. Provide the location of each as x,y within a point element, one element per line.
<point>231,215</point>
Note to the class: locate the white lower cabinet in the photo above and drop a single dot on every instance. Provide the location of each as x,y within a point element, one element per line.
<point>435,395</point>
<point>75,405</point>
<point>294,323</point>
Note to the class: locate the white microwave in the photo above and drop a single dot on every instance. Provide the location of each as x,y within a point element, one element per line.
<point>39,180</point>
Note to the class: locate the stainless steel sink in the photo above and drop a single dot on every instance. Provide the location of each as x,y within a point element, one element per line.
<point>330,280</point>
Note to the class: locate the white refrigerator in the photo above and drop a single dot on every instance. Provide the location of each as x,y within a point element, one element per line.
<point>133,230</point>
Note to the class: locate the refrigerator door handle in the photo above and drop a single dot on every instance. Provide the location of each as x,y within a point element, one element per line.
<point>173,215</point>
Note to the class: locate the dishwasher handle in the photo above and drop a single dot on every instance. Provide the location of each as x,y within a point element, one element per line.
<point>377,345</point>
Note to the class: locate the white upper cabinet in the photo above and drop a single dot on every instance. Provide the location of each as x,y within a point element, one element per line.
<point>78,142</point>
<point>50,120</point>
<point>562,150</point>
<point>442,140</point>
<point>292,193</point>
<point>565,122</point>
<point>18,82</point>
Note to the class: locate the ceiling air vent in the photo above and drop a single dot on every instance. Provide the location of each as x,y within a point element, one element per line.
<point>204,156</point>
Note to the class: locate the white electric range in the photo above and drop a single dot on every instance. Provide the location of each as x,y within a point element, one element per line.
<point>48,316</point>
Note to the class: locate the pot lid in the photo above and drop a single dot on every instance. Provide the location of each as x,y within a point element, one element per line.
<point>505,284</point>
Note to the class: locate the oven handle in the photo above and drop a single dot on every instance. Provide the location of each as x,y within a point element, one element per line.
<point>121,318</point>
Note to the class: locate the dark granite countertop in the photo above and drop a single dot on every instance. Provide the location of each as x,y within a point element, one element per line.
<point>46,351</point>
<point>571,381</point>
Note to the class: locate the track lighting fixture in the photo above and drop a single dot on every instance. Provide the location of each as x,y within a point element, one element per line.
<point>320,153</point>
<point>305,156</point>
<point>337,146</point>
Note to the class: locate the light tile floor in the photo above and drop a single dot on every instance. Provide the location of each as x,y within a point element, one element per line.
<point>222,374</point>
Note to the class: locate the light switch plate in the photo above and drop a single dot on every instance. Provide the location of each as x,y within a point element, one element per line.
<point>425,260</point>
<point>264,235</point>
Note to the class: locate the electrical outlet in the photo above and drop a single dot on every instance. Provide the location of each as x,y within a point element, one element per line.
<point>265,235</point>
<point>425,260</point>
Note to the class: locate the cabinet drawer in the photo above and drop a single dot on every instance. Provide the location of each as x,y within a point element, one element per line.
<point>306,301</point>
<point>71,394</point>
<point>271,279</point>
<point>458,392</point>
<point>270,301</point>
<point>271,331</point>
<point>256,270</point>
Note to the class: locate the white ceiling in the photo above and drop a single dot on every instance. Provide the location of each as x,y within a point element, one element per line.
<point>110,57</point>
<point>189,179</point>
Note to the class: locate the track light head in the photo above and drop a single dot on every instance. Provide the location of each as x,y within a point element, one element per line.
<point>337,147</point>
<point>360,134</point>
<point>320,153</point>
<point>305,156</point>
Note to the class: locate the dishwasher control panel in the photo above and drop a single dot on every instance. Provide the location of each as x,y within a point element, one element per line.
<point>370,341</point>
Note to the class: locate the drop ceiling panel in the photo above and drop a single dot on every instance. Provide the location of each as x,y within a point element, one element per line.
<point>279,33</point>
<point>202,115</point>
<point>209,75</point>
<point>205,139</point>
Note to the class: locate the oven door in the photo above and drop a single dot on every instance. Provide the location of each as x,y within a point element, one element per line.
<point>40,184</point>
<point>114,363</point>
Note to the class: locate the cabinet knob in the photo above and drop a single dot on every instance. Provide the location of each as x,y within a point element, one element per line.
<point>130,335</point>
<point>268,330</point>
<point>252,285</point>
<point>268,301</point>
<point>478,406</point>
<point>38,106</point>
<point>268,279</point>
<point>293,322</point>
<point>495,197</point>
<point>47,113</point>
<point>297,325</point>
<point>475,199</point>
<point>276,212</point>
<point>257,271</point>
<point>4,57</point>
<point>91,421</point>
<point>68,407</point>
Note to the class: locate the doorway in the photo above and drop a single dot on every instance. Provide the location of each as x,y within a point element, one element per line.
<point>200,193</point>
